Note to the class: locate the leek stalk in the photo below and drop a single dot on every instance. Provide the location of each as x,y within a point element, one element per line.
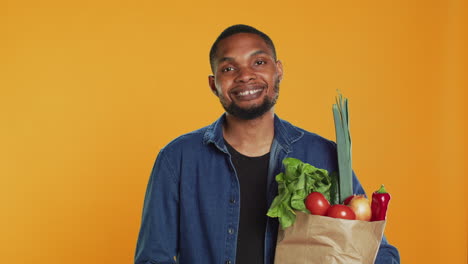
<point>343,141</point>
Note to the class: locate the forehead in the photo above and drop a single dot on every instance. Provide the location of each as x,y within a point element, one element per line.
<point>242,44</point>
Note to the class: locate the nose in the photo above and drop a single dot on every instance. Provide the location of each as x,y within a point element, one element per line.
<point>245,75</point>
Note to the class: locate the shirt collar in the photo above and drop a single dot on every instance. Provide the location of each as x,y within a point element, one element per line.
<point>285,134</point>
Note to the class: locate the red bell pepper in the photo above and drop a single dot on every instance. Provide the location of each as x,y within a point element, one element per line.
<point>380,200</point>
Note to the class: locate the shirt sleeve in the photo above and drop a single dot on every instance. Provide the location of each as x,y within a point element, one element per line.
<point>387,253</point>
<point>158,237</point>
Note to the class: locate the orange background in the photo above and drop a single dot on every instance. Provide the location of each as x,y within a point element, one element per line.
<point>91,90</point>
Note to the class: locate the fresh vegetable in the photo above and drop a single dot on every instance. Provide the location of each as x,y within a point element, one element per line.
<point>361,207</point>
<point>347,200</point>
<point>341,211</point>
<point>317,204</point>
<point>380,200</point>
<point>343,145</point>
<point>294,184</point>
<point>335,188</point>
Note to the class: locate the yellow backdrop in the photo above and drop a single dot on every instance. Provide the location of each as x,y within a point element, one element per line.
<point>91,90</point>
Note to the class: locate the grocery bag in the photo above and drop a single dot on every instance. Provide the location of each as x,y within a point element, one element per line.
<point>325,240</point>
<point>314,239</point>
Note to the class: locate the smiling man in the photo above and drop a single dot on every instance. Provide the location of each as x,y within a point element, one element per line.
<point>247,75</point>
<point>209,191</point>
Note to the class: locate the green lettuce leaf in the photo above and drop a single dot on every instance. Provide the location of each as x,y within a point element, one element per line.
<point>298,180</point>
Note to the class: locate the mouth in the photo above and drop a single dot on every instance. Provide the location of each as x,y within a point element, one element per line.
<point>249,93</point>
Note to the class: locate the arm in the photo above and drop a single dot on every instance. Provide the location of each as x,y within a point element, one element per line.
<point>387,254</point>
<point>158,238</point>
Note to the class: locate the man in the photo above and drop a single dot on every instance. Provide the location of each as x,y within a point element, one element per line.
<point>210,189</point>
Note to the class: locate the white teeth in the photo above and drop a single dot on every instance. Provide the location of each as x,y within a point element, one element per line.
<point>250,92</point>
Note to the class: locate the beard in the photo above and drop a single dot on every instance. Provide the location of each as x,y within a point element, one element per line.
<point>254,111</point>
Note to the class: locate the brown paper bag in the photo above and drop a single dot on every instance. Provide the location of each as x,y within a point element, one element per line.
<point>325,240</point>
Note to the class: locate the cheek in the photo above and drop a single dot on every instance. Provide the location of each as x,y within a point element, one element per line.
<point>222,85</point>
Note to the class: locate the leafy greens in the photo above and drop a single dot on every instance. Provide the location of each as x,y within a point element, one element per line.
<point>294,184</point>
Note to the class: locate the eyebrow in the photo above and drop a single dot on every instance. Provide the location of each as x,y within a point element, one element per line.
<point>251,55</point>
<point>258,52</point>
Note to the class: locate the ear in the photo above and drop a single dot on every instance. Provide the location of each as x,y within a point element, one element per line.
<point>211,83</point>
<point>279,69</point>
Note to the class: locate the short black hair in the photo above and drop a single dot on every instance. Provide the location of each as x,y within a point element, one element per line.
<point>236,29</point>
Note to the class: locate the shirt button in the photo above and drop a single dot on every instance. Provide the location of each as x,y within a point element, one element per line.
<point>228,262</point>
<point>233,201</point>
<point>231,231</point>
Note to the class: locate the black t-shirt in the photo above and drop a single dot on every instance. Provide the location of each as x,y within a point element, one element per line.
<point>252,174</point>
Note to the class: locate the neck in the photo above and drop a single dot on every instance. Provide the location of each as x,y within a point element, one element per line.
<point>250,137</point>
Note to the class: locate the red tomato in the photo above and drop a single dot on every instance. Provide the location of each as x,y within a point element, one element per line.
<point>341,211</point>
<point>317,204</point>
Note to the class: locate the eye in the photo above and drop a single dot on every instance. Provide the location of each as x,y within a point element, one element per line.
<point>260,62</point>
<point>227,69</point>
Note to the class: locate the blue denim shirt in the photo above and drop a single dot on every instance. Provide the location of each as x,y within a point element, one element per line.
<point>191,208</point>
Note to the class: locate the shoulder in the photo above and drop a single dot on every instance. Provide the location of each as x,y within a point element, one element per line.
<point>317,139</point>
<point>309,138</point>
<point>313,148</point>
<point>188,141</point>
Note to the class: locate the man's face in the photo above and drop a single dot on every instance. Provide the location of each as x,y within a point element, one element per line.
<point>246,77</point>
